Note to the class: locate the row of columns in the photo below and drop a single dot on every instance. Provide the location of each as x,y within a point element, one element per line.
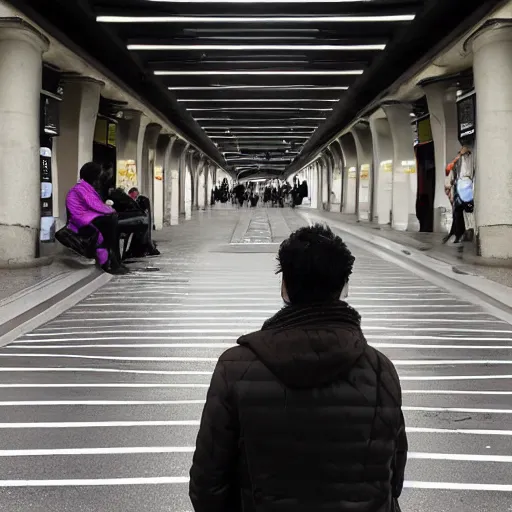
<point>169,171</point>
<point>377,159</point>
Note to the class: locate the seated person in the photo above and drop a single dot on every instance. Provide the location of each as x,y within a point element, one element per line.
<point>126,204</point>
<point>87,210</point>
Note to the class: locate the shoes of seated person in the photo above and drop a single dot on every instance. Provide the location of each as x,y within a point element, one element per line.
<point>120,270</point>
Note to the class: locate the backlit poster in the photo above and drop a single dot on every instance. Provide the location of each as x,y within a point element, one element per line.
<point>126,174</point>
<point>47,233</point>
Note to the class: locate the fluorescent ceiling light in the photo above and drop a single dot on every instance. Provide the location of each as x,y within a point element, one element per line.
<point>255,19</point>
<point>243,100</point>
<point>257,127</point>
<point>269,87</point>
<point>259,1</point>
<point>231,137</point>
<point>238,120</point>
<point>257,47</point>
<point>256,73</point>
<point>243,109</point>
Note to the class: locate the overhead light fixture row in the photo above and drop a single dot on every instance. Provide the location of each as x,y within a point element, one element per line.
<point>256,19</point>
<point>257,47</point>
<point>244,109</point>
<point>259,1</point>
<point>260,73</point>
<point>242,100</point>
<point>269,87</point>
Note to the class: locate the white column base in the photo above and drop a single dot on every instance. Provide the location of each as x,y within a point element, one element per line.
<point>495,241</point>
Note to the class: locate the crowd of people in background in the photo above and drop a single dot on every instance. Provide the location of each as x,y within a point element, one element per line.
<point>272,193</point>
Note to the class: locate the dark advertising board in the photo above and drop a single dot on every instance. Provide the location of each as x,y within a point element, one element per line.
<point>466,114</point>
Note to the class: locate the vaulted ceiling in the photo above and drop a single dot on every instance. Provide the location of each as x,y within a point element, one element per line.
<point>267,82</point>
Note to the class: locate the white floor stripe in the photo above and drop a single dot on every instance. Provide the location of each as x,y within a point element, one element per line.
<point>99,424</point>
<point>228,345</point>
<point>449,392</point>
<point>458,457</point>
<point>90,304</point>
<point>185,480</point>
<point>128,345</point>
<point>105,385</point>
<point>256,324</point>
<point>462,431</point>
<point>396,362</point>
<point>8,369</point>
<point>37,403</point>
<point>406,316</point>
<point>97,451</point>
<point>398,308</point>
<point>49,337</point>
<point>119,358</point>
<point>456,409</point>
<point>96,482</point>
<point>454,377</point>
<point>452,486</point>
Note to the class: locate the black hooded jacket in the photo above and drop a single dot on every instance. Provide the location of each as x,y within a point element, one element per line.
<point>302,416</point>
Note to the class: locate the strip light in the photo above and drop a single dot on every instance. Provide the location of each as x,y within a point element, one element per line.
<point>238,120</point>
<point>243,109</point>
<point>257,127</point>
<point>260,73</point>
<point>259,1</point>
<point>268,87</point>
<point>213,100</point>
<point>256,19</point>
<point>253,137</point>
<point>257,47</point>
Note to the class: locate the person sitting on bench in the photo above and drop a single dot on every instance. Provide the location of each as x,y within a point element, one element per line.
<point>86,210</point>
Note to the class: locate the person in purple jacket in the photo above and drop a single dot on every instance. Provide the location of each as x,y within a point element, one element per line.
<point>85,208</point>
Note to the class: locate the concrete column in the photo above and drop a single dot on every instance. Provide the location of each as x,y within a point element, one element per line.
<point>21,49</point>
<point>186,184</point>
<point>349,174</point>
<point>405,180</point>
<point>78,115</point>
<point>363,140</point>
<point>337,181</point>
<point>492,68</point>
<point>131,132</point>
<point>183,171</point>
<point>148,160</point>
<point>382,168</point>
<point>442,105</point>
<point>198,188</point>
<point>209,185</point>
<point>172,183</point>
<point>163,148</point>
<point>324,187</point>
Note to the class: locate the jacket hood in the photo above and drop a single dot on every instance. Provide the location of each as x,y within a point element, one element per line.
<point>309,346</point>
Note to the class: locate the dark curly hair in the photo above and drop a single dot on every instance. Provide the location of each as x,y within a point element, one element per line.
<point>316,265</point>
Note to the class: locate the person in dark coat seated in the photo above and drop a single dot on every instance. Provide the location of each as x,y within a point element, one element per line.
<point>303,415</point>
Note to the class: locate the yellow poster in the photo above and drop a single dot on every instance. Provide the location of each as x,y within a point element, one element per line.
<point>352,173</point>
<point>159,173</point>
<point>126,174</point>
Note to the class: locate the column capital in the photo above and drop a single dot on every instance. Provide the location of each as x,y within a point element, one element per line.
<point>17,29</point>
<point>493,31</point>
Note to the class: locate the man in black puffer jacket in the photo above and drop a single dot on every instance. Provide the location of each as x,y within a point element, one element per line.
<point>303,416</point>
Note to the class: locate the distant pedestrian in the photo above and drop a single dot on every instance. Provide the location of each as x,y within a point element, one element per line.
<point>304,415</point>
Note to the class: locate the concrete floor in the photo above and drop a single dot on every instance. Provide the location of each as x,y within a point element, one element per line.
<point>100,407</point>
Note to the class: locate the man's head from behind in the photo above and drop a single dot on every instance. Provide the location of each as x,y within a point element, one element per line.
<point>316,266</point>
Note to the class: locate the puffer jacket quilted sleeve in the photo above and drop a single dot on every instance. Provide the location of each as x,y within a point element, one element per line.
<point>213,477</point>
